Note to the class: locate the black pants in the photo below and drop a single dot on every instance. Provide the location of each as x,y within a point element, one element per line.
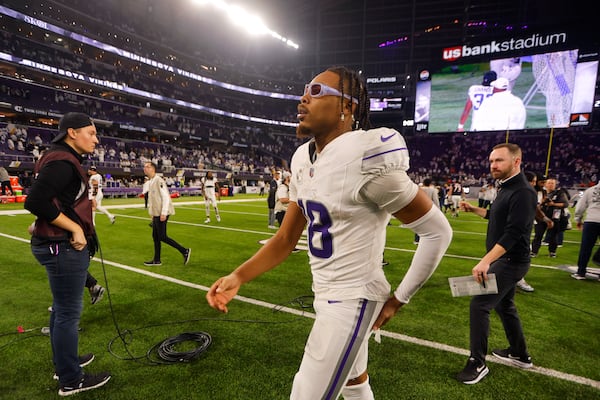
<point>539,229</point>
<point>90,281</point>
<point>507,275</point>
<point>279,216</point>
<point>159,234</point>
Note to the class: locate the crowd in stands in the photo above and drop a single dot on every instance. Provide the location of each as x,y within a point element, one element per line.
<point>78,58</point>
<point>140,37</point>
<point>573,156</point>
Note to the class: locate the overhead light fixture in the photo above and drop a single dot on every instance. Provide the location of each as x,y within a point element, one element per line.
<point>251,23</point>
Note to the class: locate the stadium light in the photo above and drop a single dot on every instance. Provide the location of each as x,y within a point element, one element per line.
<point>247,21</point>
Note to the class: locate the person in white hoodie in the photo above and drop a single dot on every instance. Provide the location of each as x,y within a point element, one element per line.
<point>590,227</point>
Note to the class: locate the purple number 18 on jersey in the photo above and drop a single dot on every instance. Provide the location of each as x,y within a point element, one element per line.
<point>319,222</point>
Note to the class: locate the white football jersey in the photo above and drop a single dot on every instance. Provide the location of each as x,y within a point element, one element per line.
<point>501,111</point>
<point>478,94</point>
<point>96,178</point>
<point>346,236</point>
<point>209,186</point>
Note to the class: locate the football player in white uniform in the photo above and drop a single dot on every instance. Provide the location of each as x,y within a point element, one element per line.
<point>502,111</point>
<point>210,191</point>
<point>476,96</point>
<point>97,195</point>
<point>346,183</point>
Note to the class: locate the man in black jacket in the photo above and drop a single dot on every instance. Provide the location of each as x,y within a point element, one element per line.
<point>63,239</point>
<point>276,176</point>
<point>507,243</point>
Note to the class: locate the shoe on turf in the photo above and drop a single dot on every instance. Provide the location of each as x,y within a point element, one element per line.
<point>532,254</point>
<point>112,220</point>
<point>524,286</point>
<point>84,360</point>
<point>186,256</point>
<point>152,263</point>
<point>552,255</point>
<point>97,292</point>
<point>473,372</point>
<point>578,277</point>
<point>520,361</point>
<point>218,218</point>
<point>207,221</point>
<point>86,382</point>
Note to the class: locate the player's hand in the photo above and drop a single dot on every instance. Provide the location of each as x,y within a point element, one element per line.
<point>222,291</point>
<point>390,308</point>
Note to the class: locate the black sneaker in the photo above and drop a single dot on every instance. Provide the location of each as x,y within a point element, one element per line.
<point>97,292</point>
<point>474,372</point>
<point>521,362</point>
<point>152,263</point>
<point>84,360</point>
<point>87,382</point>
<point>186,256</point>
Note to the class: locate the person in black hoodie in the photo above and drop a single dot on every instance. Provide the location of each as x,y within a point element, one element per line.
<point>63,241</point>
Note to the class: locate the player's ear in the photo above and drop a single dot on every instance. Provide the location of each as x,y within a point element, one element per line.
<point>350,106</point>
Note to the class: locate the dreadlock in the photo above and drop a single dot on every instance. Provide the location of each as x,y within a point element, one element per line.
<point>357,89</point>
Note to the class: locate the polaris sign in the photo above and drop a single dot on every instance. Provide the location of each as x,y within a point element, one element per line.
<point>536,40</point>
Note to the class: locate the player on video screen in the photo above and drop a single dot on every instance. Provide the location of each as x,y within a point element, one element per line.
<point>477,94</point>
<point>501,111</point>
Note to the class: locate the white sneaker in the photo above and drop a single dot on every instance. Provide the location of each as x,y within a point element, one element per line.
<point>218,218</point>
<point>524,286</point>
<point>207,221</point>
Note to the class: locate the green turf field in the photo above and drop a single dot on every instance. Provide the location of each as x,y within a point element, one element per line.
<point>257,347</point>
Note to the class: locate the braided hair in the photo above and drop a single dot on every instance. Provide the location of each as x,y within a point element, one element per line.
<point>357,89</point>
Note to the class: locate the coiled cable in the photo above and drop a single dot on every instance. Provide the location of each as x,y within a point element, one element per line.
<point>167,351</point>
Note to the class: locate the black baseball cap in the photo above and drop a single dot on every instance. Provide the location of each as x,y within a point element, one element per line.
<point>488,78</point>
<point>73,120</point>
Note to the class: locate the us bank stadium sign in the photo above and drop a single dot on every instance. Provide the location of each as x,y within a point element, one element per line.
<point>533,41</point>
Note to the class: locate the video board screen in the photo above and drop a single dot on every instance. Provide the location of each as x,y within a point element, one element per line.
<point>554,89</point>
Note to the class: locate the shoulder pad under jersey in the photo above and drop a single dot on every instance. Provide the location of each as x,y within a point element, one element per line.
<point>385,150</point>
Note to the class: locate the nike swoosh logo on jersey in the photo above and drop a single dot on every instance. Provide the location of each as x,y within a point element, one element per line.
<point>386,138</point>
